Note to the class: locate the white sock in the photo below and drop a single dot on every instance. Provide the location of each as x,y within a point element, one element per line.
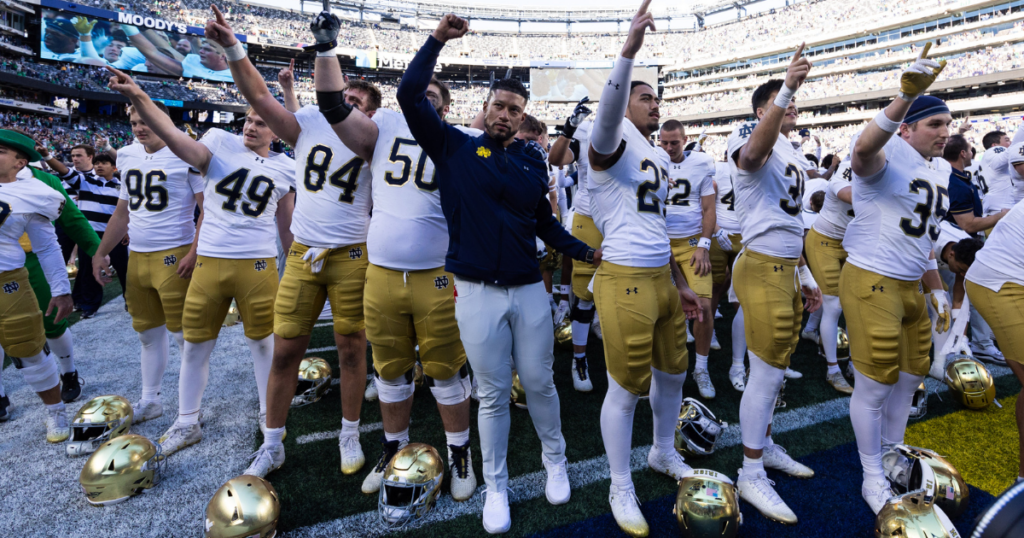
<point>64,348</point>
<point>402,436</point>
<point>752,465</point>
<point>457,438</point>
<point>872,464</point>
<point>617,431</point>
<point>814,320</point>
<point>702,363</point>
<point>579,355</point>
<point>896,412</point>
<point>829,328</point>
<point>739,339</point>
<point>833,368</point>
<point>866,416</point>
<point>666,399</point>
<point>2,391</point>
<point>273,436</point>
<point>188,419</point>
<point>768,441</point>
<point>262,358</point>
<point>349,428</point>
<point>179,337</point>
<point>195,372</point>
<point>59,406</point>
<point>154,361</point>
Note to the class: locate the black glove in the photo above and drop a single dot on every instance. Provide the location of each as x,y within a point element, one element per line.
<point>325,28</point>
<point>579,114</point>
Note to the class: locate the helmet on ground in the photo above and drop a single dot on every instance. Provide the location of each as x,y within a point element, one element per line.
<point>707,505</point>
<point>563,333</point>
<point>121,468</point>
<point>913,515</point>
<point>951,493</point>
<point>518,392</point>
<point>314,381</point>
<point>842,345</point>
<point>697,429</point>
<point>970,381</point>
<point>412,483</point>
<point>245,506</point>
<point>99,420</point>
<point>779,402</point>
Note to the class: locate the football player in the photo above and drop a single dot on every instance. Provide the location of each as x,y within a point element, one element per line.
<point>899,197</point>
<point>28,206</point>
<point>328,258</point>
<point>251,195</point>
<point>769,275</point>
<point>690,219</point>
<point>642,311</point>
<point>724,249</point>
<point>994,171</point>
<point>156,208</point>
<point>408,298</point>
<point>1015,158</point>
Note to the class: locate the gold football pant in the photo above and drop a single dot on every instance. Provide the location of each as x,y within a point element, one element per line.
<point>721,261</point>
<point>21,321</point>
<point>643,323</point>
<point>1004,312</point>
<point>406,308</point>
<point>825,257</point>
<point>682,251</point>
<point>155,295</point>
<point>584,229</point>
<point>252,283</point>
<point>767,289</point>
<point>301,296</point>
<point>888,325</point>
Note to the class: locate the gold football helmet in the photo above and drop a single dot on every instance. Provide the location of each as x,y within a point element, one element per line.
<point>779,402</point>
<point>233,317</point>
<point>842,345</point>
<point>412,482</point>
<point>417,374</point>
<point>100,419</point>
<point>970,381</point>
<point>563,333</point>
<point>72,270</point>
<point>919,405</point>
<point>518,392</point>
<point>244,506</point>
<point>707,505</point>
<point>121,468</point>
<point>913,515</point>
<point>314,381</point>
<point>951,492</point>
<point>697,429</point>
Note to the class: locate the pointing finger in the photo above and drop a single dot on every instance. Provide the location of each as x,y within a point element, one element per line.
<point>291,64</point>
<point>799,53</point>
<point>643,7</point>
<point>219,15</point>
<point>924,51</point>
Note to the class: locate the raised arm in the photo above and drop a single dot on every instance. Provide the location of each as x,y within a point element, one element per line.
<point>561,154</point>
<point>149,50</point>
<point>249,81</point>
<point>756,151</point>
<point>868,156</point>
<point>195,154</point>
<point>53,162</point>
<point>286,79</point>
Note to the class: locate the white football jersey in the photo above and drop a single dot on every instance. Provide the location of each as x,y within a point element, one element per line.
<point>725,203</point>
<point>26,206</point>
<point>995,179</point>
<point>408,231</point>
<point>628,203</point>
<point>897,213</point>
<point>332,201</point>
<point>161,198</point>
<point>690,180</point>
<point>811,186</point>
<point>1014,156</point>
<point>581,200</point>
<point>836,214</point>
<point>1001,260</point>
<point>769,202</point>
<point>240,200</point>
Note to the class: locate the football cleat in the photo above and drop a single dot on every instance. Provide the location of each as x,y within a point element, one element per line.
<point>5,404</point>
<point>411,485</point>
<point>703,379</point>
<point>70,387</point>
<point>371,484</point>
<point>775,457</point>
<point>738,377</point>
<point>179,436</point>
<point>913,515</point>
<point>697,430</point>
<point>970,382</point>
<point>266,459</point>
<point>718,314</point>
<point>121,468</point>
<point>838,382</point>
<point>988,353</point>
<point>144,411</point>
<point>352,458</point>
<point>556,489</point>
<point>757,490</point>
<point>626,511</point>
<point>714,342</point>
<point>370,394</point>
<point>518,393</point>
<point>595,327</point>
<point>919,405</point>
<point>811,334</point>
<point>707,506</point>
<point>99,420</point>
<point>243,506</point>
<point>460,465</point>
<point>689,335</point>
<point>667,463</point>
<point>876,494</point>
<point>914,468</point>
<point>581,375</point>
<point>57,425</point>
<point>496,518</point>
<point>792,374</point>
<point>314,381</point>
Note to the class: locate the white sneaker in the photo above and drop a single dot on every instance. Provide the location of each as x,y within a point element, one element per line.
<point>372,482</point>
<point>689,336</point>
<point>838,382</point>
<point>775,457</point>
<point>718,314</point>
<point>626,511</point>
<point>352,458</point>
<point>179,436</point>
<point>738,377</point>
<point>757,490</point>
<point>595,327</point>
<point>667,463</point>
<point>714,342</point>
<point>263,425</point>
<point>460,465</point>
<point>875,494</point>
<point>370,394</point>
<point>266,459</point>
<point>57,429</point>
<point>473,393</point>
<point>581,375</point>
<point>143,411</point>
<point>703,379</point>
<point>557,487</point>
<point>496,518</point>
<point>811,334</point>
<point>792,374</point>
<point>988,353</point>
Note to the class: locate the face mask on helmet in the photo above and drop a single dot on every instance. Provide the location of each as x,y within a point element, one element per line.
<point>913,515</point>
<point>697,430</point>
<point>919,405</point>
<point>412,482</point>
<point>910,468</point>
<point>314,381</point>
<point>971,382</point>
<point>100,419</point>
<point>707,506</point>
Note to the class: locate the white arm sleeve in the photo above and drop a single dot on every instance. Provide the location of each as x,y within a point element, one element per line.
<point>607,133</point>
<point>44,244</point>
<point>817,153</point>
<point>88,49</point>
<point>564,180</point>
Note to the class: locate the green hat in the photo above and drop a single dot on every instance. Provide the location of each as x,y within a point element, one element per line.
<point>21,143</point>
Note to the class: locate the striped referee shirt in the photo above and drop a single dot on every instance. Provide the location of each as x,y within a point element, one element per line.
<point>97,197</point>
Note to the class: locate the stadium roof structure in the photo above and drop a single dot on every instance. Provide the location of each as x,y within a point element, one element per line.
<point>499,10</point>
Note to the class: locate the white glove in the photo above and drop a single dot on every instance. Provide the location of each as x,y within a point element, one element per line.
<point>314,258</point>
<point>723,240</point>
<point>561,312</point>
<point>940,302</point>
<point>806,278</point>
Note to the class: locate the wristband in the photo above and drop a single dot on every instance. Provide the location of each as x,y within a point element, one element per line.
<point>884,123</point>
<point>590,256</point>
<point>564,289</point>
<point>704,243</point>
<point>907,98</point>
<point>327,53</point>
<point>321,47</point>
<point>333,106</point>
<point>568,130</point>
<point>806,278</point>
<point>784,97</point>
<point>933,265</point>
<point>235,52</point>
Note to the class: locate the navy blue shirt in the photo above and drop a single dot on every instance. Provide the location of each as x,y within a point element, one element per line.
<point>963,196</point>
<point>494,198</point>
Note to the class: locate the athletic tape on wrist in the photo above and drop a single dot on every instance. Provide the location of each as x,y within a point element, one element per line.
<point>806,278</point>
<point>933,265</point>
<point>704,243</point>
<point>328,53</point>
<point>784,97</point>
<point>884,123</point>
<point>907,98</point>
<point>235,52</point>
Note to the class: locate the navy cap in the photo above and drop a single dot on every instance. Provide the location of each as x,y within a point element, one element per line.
<point>925,106</point>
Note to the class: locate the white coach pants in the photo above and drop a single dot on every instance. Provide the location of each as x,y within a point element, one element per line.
<point>499,325</point>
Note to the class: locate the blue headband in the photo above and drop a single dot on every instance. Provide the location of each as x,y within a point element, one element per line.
<point>925,106</point>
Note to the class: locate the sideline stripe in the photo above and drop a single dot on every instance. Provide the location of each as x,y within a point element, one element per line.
<point>321,436</point>
<point>321,349</point>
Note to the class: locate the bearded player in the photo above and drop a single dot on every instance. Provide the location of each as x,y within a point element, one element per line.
<point>642,311</point>
<point>250,190</point>
<point>327,259</point>
<point>899,198</point>
<point>156,208</point>
<point>769,275</point>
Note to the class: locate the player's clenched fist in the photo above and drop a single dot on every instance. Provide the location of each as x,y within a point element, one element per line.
<point>450,27</point>
<point>920,75</point>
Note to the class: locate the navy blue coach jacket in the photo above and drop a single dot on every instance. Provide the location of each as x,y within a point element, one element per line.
<point>493,197</point>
